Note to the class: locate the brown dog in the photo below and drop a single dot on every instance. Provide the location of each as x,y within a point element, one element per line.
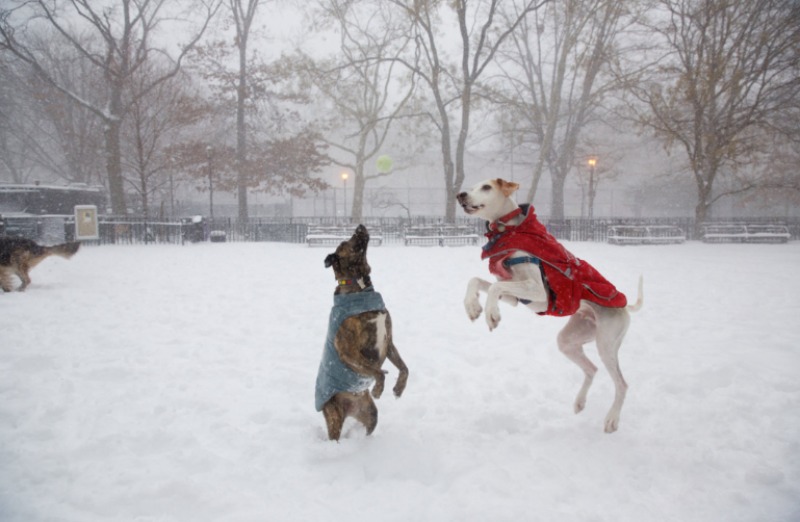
<point>18,255</point>
<point>359,340</point>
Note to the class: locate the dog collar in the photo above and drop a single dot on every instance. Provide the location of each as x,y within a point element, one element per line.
<point>500,225</point>
<point>361,282</point>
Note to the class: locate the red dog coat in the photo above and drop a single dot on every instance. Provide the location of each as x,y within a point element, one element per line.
<point>567,278</point>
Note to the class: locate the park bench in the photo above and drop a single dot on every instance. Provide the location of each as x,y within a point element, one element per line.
<point>332,236</point>
<point>440,235</point>
<point>745,233</point>
<point>217,236</point>
<point>645,235</point>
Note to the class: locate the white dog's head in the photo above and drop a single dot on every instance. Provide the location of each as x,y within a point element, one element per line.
<point>489,199</point>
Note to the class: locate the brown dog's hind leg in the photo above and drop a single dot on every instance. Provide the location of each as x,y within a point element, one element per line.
<point>365,411</point>
<point>334,412</point>
<point>360,406</point>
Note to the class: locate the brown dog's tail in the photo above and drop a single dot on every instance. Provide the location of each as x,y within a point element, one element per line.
<point>639,299</point>
<point>65,250</point>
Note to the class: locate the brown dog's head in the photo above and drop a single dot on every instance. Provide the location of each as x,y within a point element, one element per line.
<point>349,262</point>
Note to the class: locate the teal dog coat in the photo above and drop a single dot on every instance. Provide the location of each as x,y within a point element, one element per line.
<point>334,376</point>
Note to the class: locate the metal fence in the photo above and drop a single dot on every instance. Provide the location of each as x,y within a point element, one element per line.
<point>127,230</point>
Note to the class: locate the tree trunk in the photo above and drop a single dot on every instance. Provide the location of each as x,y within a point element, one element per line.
<point>450,204</point>
<point>241,133</point>
<point>116,186</point>
<point>357,210</point>
<point>537,175</point>
<point>145,206</point>
<point>461,145</point>
<point>703,208</point>
<point>449,175</point>
<point>451,191</point>
<point>557,197</point>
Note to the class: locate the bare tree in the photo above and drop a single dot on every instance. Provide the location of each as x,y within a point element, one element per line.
<point>46,133</point>
<point>126,33</point>
<point>481,32</point>
<point>154,122</point>
<point>277,166</point>
<point>363,85</point>
<point>555,80</point>
<point>729,70</point>
<point>385,199</point>
<point>277,134</point>
<point>243,14</point>
<point>16,143</point>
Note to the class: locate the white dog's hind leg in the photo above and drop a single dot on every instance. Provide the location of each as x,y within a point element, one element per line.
<point>579,330</point>
<point>611,363</point>
<point>611,331</point>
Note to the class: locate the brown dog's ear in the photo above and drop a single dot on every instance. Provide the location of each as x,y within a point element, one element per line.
<point>507,187</point>
<point>330,260</point>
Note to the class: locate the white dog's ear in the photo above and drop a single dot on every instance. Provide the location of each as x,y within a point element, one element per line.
<point>507,187</point>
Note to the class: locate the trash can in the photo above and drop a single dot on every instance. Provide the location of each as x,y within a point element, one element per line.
<point>193,229</point>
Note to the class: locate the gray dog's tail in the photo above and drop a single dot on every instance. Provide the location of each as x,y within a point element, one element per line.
<point>640,298</point>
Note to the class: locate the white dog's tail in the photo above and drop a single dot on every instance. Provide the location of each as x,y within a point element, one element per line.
<point>640,298</point>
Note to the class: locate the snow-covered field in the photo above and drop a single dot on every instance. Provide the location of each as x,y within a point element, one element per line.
<point>176,383</point>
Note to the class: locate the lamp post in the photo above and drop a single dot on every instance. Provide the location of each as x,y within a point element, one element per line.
<point>209,150</point>
<point>344,180</point>
<point>171,195</point>
<point>592,189</point>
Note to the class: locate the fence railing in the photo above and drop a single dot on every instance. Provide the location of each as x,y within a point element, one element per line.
<point>128,230</point>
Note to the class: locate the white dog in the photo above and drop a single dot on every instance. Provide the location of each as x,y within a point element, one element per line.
<point>533,268</point>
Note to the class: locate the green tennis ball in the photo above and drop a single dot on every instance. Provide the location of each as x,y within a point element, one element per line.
<point>384,164</point>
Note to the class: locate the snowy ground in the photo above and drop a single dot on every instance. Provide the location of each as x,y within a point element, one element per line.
<point>176,383</point>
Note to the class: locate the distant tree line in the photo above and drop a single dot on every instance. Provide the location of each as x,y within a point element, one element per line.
<point>143,96</point>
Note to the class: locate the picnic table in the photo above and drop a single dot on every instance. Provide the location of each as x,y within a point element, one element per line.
<point>440,235</point>
<point>645,235</point>
<point>327,236</point>
<point>745,233</point>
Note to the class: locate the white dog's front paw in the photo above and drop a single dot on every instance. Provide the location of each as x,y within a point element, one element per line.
<point>492,316</point>
<point>473,308</point>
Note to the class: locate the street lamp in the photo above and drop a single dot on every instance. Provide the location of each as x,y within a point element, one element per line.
<point>209,150</point>
<point>344,179</point>
<point>592,189</point>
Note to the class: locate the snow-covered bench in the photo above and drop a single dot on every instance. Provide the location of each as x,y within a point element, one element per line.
<point>217,236</point>
<point>645,235</point>
<point>440,235</point>
<point>333,236</point>
<point>745,233</point>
